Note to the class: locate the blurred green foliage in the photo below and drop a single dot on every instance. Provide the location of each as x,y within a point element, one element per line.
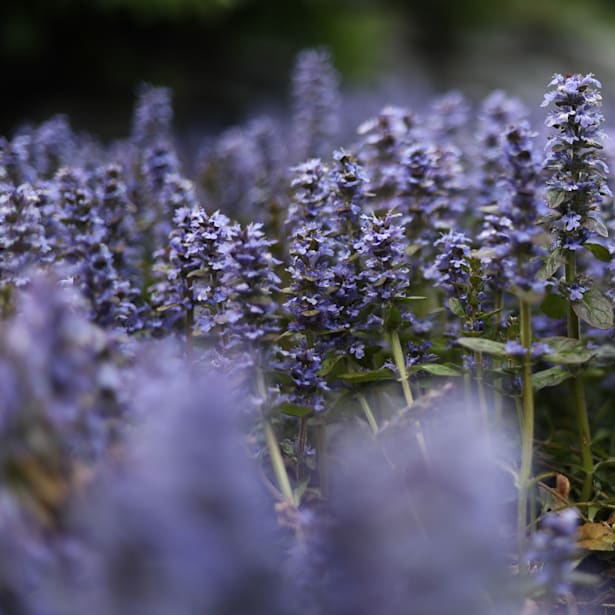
<point>223,56</point>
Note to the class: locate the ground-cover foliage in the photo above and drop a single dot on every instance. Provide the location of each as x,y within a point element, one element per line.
<point>373,381</point>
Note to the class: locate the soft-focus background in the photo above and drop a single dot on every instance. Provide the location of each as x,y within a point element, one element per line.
<point>228,59</point>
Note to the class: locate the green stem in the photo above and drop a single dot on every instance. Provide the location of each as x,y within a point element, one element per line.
<point>279,469</point>
<point>578,386</point>
<point>400,362</point>
<point>369,415</point>
<point>527,428</point>
<point>277,462</point>
<point>398,357</point>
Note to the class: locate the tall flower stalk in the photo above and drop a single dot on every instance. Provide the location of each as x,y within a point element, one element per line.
<point>577,186</point>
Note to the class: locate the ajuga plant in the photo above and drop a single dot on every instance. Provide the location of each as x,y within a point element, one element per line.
<point>62,399</point>
<point>323,291</point>
<point>553,548</point>
<point>243,172</point>
<point>448,118</point>
<point>197,531</point>
<point>22,237</point>
<point>377,544</point>
<point>576,188</point>
<point>316,104</point>
<point>382,143</point>
<point>153,159</point>
<point>496,113</point>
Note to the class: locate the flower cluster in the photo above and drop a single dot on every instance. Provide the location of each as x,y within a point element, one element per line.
<point>577,183</point>
<point>316,104</point>
<point>554,547</point>
<point>513,231</point>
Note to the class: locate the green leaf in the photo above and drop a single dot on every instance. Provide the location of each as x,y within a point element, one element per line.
<point>593,223</point>
<point>310,313</point>
<point>599,251</point>
<point>410,299</point>
<point>437,369</point>
<point>556,197</point>
<point>568,351</point>
<point>552,263</point>
<point>595,309</point>
<point>550,377</point>
<point>294,409</point>
<point>455,306</point>
<point>606,353</point>
<point>332,366</point>
<point>374,375</point>
<point>554,306</point>
<point>477,344</point>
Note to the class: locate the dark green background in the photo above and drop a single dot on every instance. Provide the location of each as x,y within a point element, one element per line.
<point>229,58</point>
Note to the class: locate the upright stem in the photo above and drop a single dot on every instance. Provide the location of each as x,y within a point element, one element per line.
<point>369,415</point>
<point>277,462</point>
<point>578,386</point>
<point>527,427</point>
<point>400,362</point>
<point>279,469</point>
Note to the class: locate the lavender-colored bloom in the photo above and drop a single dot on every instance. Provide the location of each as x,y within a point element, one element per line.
<point>449,116</point>
<point>349,195</point>
<point>316,104</point>
<point>462,276</point>
<point>303,364</point>
<point>577,174</point>
<point>76,209</point>
<point>312,195</point>
<point>242,172</point>
<point>383,141</point>
<point>152,117</point>
<point>191,269</point>
<point>248,311</point>
<point>24,561</point>
<point>197,531</point>
<point>514,233</point>
<point>87,260</point>
<point>59,378</point>
<point>430,190</point>
<point>379,546</point>
<point>451,267</point>
<point>554,546</point>
<point>15,166</point>
<point>53,146</point>
<point>312,255</point>
<point>118,214</point>
<point>496,113</point>
<point>22,236</point>
<point>576,291</point>
<point>384,272</point>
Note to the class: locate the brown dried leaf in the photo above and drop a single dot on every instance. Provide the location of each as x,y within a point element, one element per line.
<point>596,537</point>
<point>562,486</point>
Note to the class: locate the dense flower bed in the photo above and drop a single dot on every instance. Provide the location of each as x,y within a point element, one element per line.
<point>289,378</point>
